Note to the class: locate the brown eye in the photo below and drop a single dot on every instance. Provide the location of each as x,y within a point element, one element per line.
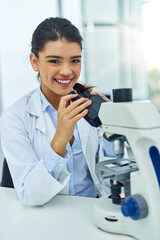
<point>53,61</point>
<point>76,61</point>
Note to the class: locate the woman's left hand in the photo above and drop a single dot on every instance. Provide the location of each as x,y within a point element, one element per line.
<point>95,93</point>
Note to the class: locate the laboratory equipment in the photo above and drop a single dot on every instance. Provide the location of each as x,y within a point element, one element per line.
<point>93,110</point>
<point>132,206</point>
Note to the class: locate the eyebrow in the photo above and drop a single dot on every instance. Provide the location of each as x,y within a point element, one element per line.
<point>54,56</point>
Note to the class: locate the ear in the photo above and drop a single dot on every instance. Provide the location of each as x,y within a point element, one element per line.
<point>34,62</point>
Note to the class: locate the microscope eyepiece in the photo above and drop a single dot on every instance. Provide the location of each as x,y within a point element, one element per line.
<point>122,95</point>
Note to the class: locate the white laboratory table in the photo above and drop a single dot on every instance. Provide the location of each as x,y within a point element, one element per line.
<point>63,218</point>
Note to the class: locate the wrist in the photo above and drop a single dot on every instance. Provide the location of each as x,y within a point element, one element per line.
<point>59,145</point>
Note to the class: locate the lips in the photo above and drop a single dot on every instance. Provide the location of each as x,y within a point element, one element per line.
<point>64,81</point>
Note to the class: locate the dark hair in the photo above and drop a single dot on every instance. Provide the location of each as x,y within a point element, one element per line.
<point>53,29</point>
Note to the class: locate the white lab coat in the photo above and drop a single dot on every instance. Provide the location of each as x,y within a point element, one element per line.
<point>26,133</point>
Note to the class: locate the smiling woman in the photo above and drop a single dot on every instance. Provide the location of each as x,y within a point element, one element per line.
<point>49,146</point>
<point>59,65</point>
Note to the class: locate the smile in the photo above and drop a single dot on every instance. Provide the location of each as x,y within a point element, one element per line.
<point>63,81</point>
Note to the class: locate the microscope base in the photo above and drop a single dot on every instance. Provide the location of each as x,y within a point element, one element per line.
<point>108,217</point>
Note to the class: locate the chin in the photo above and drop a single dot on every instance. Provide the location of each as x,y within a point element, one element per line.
<point>64,92</point>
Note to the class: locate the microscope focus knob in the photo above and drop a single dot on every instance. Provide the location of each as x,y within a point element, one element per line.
<point>135,207</point>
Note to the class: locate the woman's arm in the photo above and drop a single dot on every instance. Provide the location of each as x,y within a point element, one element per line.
<point>32,181</point>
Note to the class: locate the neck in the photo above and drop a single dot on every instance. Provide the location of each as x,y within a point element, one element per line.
<point>54,102</point>
<point>53,99</point>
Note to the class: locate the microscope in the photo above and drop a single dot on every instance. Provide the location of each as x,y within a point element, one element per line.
<point>132,205</point>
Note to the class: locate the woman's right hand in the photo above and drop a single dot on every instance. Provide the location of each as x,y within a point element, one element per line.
<point>68,115</point>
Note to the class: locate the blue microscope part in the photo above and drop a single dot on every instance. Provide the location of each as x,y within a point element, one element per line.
<point>155,157</point>
<point>130,208</point>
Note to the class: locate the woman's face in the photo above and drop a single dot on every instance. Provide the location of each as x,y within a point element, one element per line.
<point>59,65</point>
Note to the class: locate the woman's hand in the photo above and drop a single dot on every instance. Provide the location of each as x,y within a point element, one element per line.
<point>68,115</point>
<point>95,93</point>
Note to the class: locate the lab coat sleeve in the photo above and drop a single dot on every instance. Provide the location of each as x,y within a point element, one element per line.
<point>54,163</point>
<point>32,181</point>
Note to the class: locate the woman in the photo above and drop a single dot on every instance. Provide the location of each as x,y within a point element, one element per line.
<point>49,146</point>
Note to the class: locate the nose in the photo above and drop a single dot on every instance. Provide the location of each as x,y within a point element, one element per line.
<point>66,70</point>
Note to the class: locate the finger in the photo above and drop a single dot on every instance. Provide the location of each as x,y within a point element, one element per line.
<point>79,116</point>
<point>94,93</point>
<point>77,110</point>
<point>107,99</point>
<point>76,103</point>
<point>65,99</point>
<point>102,95</point>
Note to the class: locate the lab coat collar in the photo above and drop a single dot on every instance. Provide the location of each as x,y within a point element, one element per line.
<point>34,106</point>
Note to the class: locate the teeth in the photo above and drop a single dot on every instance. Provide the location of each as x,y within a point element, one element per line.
<point>63,81</point>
